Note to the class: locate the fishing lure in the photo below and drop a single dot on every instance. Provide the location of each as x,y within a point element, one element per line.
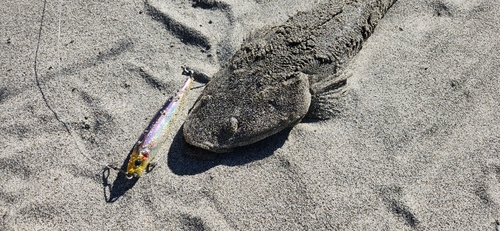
<point>155,135</point>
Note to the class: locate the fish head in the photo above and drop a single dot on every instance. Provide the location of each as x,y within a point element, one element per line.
<point>241,108</point>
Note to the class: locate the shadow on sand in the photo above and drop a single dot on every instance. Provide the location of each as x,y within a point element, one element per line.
<point>184,159</point>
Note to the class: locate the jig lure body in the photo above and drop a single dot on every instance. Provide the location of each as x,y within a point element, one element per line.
<point>155,135</point>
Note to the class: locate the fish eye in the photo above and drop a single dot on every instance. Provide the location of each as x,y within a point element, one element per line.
<point>138,162</point>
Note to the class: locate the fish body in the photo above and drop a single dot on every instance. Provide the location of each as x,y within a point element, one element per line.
<point>278,75</point>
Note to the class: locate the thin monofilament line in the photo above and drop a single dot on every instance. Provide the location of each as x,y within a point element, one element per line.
<point>59,76</point>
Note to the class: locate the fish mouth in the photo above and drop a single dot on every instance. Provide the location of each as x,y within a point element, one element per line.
<point>211,147</point>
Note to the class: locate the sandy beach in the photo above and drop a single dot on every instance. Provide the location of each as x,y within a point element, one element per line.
<point>415,145</point>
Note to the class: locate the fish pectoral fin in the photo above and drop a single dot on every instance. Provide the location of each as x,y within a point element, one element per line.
<point>298,96</point>
<point>327,97</point>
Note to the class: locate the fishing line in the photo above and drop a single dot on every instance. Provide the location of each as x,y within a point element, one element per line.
<point>200,77</point>
<point>65,108</point>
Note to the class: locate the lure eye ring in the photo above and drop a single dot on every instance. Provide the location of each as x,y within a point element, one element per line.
<point>138,162</point>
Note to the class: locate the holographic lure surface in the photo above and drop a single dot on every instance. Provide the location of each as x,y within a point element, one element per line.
<point>155,135</point>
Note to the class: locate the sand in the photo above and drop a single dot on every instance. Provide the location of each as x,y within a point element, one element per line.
<point>416,144</point>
